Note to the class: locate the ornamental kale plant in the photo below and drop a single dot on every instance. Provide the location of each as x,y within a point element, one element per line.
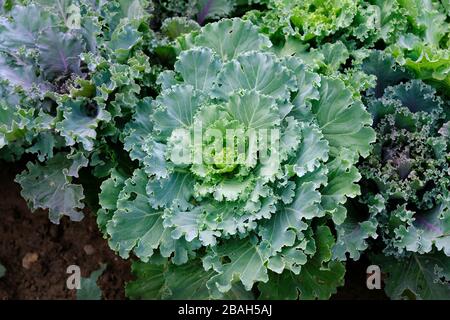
<point>424,47</point>
<point>405,186</point>
<point>244,157</point>
<point>58,90</point>
<point>39,60</point>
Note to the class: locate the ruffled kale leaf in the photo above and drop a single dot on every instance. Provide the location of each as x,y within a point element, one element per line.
<point>89,289</point>
<point>318,278</point>
<point>51,186</point>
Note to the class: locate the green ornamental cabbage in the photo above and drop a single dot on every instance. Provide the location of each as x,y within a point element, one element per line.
<point>424,49</point>
<point>357,23</point>
<point>243,158</point>
<point>415,32</point>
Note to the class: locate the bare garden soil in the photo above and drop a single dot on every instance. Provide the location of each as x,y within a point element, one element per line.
<point>36,253</point>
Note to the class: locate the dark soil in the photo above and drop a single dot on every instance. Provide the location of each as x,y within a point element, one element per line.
<point>25,236</point>
<point>32,235</point>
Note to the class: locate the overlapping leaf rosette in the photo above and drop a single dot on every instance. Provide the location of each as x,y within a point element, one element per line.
<point>244,157</point>
<point>405,187</point>
<point>415,32</point>
<point>424,46</point>
<point>357,23</point>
